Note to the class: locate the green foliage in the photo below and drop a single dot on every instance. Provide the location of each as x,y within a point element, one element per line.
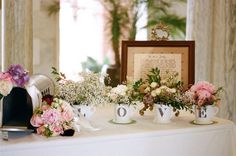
<point>53,8</point>
<point>58,75</point>
<point>92,65</point>
<point>154,76</point>
<point>137,84</point>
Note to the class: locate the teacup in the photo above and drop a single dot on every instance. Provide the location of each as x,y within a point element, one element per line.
<point>205,114</point>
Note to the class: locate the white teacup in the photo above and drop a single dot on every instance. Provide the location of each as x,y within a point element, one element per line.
<point>205,114</point>
<point>84,110</point>
<point>122,113</point>
<point>164,113</point>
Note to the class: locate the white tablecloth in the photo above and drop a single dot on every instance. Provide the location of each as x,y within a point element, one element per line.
<point>143,138</point>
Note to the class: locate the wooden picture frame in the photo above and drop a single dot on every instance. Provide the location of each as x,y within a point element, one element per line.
<point>138,57</point>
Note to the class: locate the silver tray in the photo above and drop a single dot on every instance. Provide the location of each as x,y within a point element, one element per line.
<point>15,129</point>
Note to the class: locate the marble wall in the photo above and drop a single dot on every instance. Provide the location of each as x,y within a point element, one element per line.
<point>31,35</point>
<point>17,30</point>
<point>212,24</point>
<point>45,38</point>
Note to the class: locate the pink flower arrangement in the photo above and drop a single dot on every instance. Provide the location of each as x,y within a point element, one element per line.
<point>53,118</point>
<point>203,93</point>
<point>15,76</point>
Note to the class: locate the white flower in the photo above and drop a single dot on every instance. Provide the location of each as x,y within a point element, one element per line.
<point>113,96</point>
<point>173,90</point>
<point>5,87</point>
<point>146,90</point>
<point>153,84</point>
<point>164,88</point>
<point>120,90</point>
<point>158,91</point>
<point>153,93</point>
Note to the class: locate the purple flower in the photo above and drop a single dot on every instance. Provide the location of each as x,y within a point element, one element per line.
<point>19,75</point>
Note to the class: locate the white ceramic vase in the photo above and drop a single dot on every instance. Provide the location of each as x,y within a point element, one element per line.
<point>122,113</point>
<point>205,114</point>
<point>85,111</point>
<point>163,113</point>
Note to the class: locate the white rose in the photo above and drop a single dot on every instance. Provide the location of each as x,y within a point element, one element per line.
<point>153,84</point>
<point>153,93</point>
<point>158,91</point>
<point>120,90</point>
<point>164,87</point>
<point>146,90</point>
<point>173,90</point>
<point>5,87</point>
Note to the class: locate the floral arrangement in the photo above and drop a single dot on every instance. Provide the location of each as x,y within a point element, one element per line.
<point>53,118</point>
<point>156,89</point>
<point>90,90</point>
<point>202,94</point>
<point>15,76</point>
<point>121,95</point>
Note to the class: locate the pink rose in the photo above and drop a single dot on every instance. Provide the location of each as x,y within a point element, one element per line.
<point>36,120</point>
<point>6,83</point>
<point>56,129</point>
<point>6,76</point>
<point>40,130</point>
<point>67,116</point>
<point>51,116</point>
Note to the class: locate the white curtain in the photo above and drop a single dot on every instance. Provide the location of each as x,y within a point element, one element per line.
<point>212,24</point>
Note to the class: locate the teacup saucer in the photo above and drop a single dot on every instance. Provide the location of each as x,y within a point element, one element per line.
<point>203,123</point>
<point>115,122</point>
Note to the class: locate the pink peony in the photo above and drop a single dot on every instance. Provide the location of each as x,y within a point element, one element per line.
<point>36,120</point>
<point>203,94</point>
<point>51,116</point>
<point>203,85</point>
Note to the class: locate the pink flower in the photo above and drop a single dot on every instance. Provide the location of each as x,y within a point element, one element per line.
<point>67,112</point>
<point>44,107</point>
<point>56,129</point>
<point>51,116</point>
<point>203,86</point>
<point>66,116</point>
<point>36,120</point>
<point>203,94</point>
<point>40,130</point>
<point>6,76</point>
<point>6,83</point>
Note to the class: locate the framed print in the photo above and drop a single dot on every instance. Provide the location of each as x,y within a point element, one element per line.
<point>138,57</point>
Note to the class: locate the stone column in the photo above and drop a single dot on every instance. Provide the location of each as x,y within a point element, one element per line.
<point>212,24</point>
<point>17,33</point>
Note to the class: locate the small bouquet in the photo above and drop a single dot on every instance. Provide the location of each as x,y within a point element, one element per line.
<point>90,90</point>
<point>202,94</point>
<point>54,117</point>
<point>155,89</point>
<point>15,76</point>
<point>120,95</point>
